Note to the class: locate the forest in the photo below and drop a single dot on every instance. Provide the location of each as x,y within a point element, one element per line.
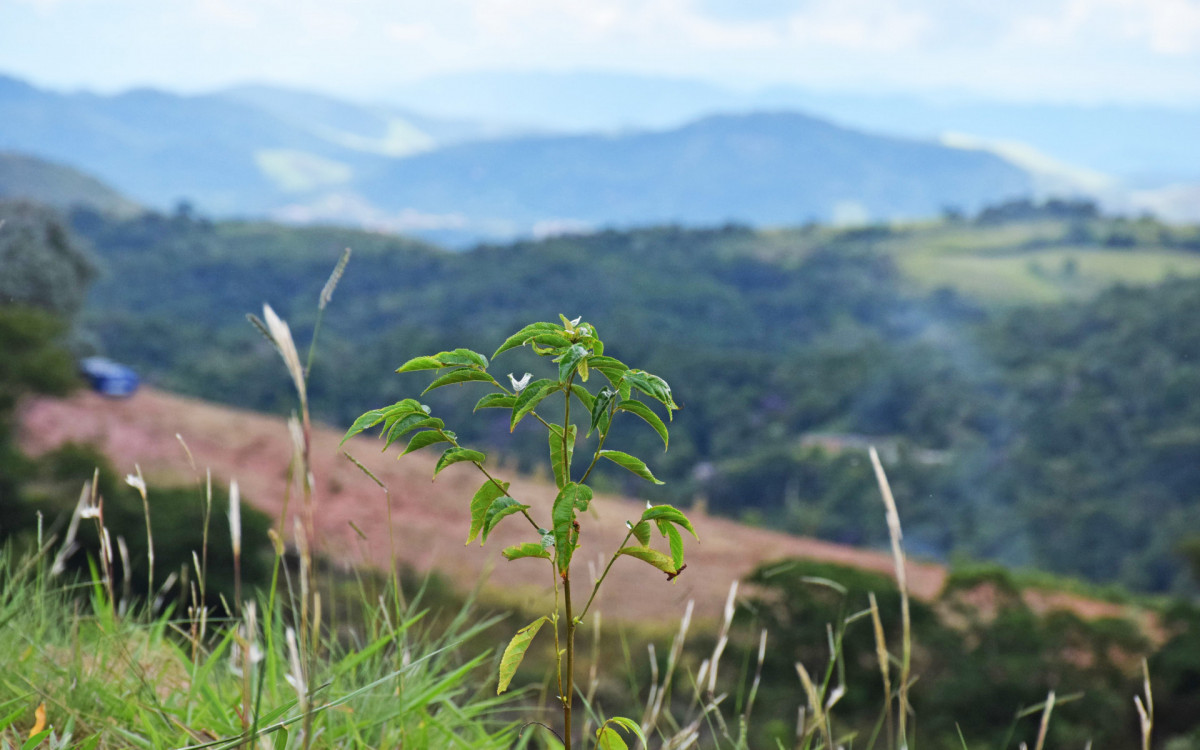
<point>1056,434</point>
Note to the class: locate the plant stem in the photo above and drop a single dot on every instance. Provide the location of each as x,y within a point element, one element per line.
<point>567,699</point>
<point>604,575</point>
<point>492,479</point>
<point>599,447</point>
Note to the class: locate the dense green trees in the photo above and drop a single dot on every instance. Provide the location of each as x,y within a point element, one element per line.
<point>44,273</point>
<point>1062,436</point>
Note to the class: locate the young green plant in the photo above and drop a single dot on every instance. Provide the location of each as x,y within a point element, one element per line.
<point>578,353</point>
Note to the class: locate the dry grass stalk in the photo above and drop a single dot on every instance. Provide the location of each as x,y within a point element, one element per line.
<point>893,522</point>
<point>1145,708</point>
<point>881,655</point>
<point>1045,724</point>
<point>138,482</point>
<point>820,718</point>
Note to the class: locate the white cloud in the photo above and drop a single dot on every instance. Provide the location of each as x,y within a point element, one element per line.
<point>857,25</point>
<point>1131,49</point>
<point>1162,27</point>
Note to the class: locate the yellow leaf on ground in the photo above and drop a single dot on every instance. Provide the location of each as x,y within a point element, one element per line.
<point>39,722</point>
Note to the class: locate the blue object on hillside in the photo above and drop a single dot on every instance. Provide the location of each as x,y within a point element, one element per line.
<point>109,378</point>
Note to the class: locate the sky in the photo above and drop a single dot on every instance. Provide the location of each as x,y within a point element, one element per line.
<point>1131,51</point>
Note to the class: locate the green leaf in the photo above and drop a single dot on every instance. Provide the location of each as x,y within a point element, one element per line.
<point>464,375</point>
<point>36,739</point>
<point>501,509</point>
<point>495,401</point>
<point>585,398</point>
<point>637,407</point>
<point>464,357</point>
<point>525,334</point>
<point>652,556</point>
<point>487,494</point>
<point>530,398</point>
<point>629,725</point>
<point>390,413</point>
<point>668,513</point>
<point>365,422</point>
<point>608,739</point>
<point>632,463</point>
<point>562,469</point>
<point>528,549</point>
<point>651,385</point>
<point>610,368</point>
<point>569,360</point>
<point>420,363</point>
<point>454,455</point>
<point>571,498</point>
<point>403,410</point>
<point>641,531</point>
<point>424,439</point>
<point>676,542</point>
<point>411,422</point>
<point>514,652</point>
<point>600,415</point>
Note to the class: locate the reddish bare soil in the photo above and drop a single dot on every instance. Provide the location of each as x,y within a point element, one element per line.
<point>430,520</point>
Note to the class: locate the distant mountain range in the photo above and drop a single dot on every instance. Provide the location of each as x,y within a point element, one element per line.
<point>1142,145</point>
<point>303,157</point>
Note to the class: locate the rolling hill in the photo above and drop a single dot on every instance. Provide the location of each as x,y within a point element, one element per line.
<point>28,178</point>
<point>303,158</point>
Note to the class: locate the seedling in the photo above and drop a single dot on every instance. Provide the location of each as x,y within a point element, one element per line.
<point>577,352</point>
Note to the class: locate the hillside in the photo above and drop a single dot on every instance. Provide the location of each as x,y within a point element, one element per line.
<point>28,178</point>
<point>430,518</point>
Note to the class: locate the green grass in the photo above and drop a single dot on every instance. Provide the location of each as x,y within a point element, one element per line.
<point>139,680</point>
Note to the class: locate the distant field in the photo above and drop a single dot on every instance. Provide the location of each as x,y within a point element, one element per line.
<point>1045,276</point>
